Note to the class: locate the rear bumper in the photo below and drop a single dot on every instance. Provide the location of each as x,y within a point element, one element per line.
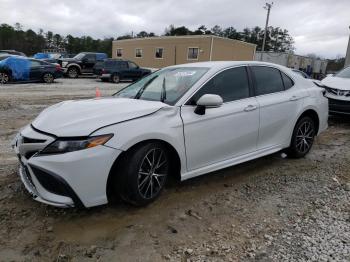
<point>339,106</point>
<point>105,76</point>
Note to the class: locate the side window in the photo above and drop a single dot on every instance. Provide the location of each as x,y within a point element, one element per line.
<point>132,65</point>
<point>122,65</point>
<point>34,63</point>
<point>90,58</point>
<point>231,84</point>
<point>268,80</point>
<point>288,83</point>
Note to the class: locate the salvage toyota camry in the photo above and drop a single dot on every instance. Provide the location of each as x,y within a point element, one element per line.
<point>184,120</point>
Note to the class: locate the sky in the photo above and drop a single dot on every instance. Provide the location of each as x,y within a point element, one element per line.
<point>320,27</point>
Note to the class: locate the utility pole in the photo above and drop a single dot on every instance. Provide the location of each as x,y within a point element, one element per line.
<point>347,58</point>
<point>268,8</point>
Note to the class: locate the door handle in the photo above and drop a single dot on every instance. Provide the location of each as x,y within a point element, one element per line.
<point>250,108</point>
<point>293,98</point>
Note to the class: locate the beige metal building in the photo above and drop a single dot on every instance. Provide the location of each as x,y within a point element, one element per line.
<point>158,52</point>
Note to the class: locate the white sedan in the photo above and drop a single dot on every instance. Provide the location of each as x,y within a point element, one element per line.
<point>338,92</point>
<point>184,120</point>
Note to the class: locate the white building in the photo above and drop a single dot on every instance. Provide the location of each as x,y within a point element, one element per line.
<point>311,66</point>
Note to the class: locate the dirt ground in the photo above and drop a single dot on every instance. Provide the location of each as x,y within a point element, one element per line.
<point>270,209</point>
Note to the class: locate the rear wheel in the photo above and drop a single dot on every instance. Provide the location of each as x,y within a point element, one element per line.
<point>143,173</point>
<point>48,78</point>
<point>302,138</point>
<point>73,72</point>
<point>115,78</point>
<point>4,78</point>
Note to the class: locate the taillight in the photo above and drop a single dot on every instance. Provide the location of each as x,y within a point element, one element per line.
<point>58,68</point>
<point>103,71</point>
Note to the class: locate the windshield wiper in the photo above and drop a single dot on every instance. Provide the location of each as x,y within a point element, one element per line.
<point>163,94</point>
<point>142,89</point>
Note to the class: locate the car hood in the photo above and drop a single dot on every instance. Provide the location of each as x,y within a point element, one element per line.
<point>337,82</point>
<point>82,117</point>
<point>67,60</point>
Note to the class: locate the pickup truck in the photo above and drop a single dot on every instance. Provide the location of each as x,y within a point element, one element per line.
<point>82,63</point>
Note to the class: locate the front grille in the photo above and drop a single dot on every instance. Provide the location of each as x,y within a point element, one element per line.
<point>50,182</point>
<point>338,102</point>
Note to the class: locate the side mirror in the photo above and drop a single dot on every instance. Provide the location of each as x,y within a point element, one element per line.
<point>207,101</point>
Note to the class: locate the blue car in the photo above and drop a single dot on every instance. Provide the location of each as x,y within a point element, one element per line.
<point>23,69</point>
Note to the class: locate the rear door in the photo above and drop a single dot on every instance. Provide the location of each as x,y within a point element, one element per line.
<point>280,101</point>
<point>89,63</point>
<point>225,132</point>
<point>36,70</point>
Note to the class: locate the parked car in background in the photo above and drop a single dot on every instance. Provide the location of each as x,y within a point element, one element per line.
<point>12,52</point>
<point>184,120</point>
<point>301,73</point>
<point>338,91</point>
<point>82,63</point>
<point>116,70</point>
<point>22,69</point>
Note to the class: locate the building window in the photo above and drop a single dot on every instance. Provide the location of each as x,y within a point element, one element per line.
<point>159,52</point>
<point>119,52</point>
<point>138,52</point>
<point>192,53</point>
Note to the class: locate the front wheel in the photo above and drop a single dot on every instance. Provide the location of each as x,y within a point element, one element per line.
<point>302,138</point>
<point>4,78</point>
<point>73,72</point>
<point>143,173</point>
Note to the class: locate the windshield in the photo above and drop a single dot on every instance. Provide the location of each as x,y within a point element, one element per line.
<point>79,56</point>
<point>345,73</point>
<point>166,85</point>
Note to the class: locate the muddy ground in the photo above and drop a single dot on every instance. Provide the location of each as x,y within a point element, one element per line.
<point>271,209</point>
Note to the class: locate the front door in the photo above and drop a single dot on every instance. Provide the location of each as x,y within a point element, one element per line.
<point>228,131</point>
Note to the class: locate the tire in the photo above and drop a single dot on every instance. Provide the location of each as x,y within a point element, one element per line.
<point>73,72</point>
<point>48,78</point>
<point>4,78</point>
<point>303,137</point>
<point>142,174</point>
<point>115,78</point>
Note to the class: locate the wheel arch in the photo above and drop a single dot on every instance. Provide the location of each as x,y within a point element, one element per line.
<point>314,115</point>
<point>174,156</point>
<point>74,65</point>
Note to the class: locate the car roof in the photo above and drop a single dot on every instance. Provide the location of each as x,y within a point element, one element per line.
<point>217,65</point>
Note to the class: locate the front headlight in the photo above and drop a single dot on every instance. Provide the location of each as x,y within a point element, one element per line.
<point>66,145</point>
<point>64,64</point>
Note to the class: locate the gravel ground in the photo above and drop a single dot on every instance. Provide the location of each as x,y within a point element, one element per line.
<point>270,209</point>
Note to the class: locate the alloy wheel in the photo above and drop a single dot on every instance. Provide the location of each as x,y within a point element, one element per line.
<point>4,78</point>
<point>305,136</point>
<point>115,78</point>
<point>72,73</point>
<point>152,173</point>
<point>48,78</point>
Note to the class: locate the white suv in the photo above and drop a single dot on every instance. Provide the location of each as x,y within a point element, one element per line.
<point>185,120</point>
